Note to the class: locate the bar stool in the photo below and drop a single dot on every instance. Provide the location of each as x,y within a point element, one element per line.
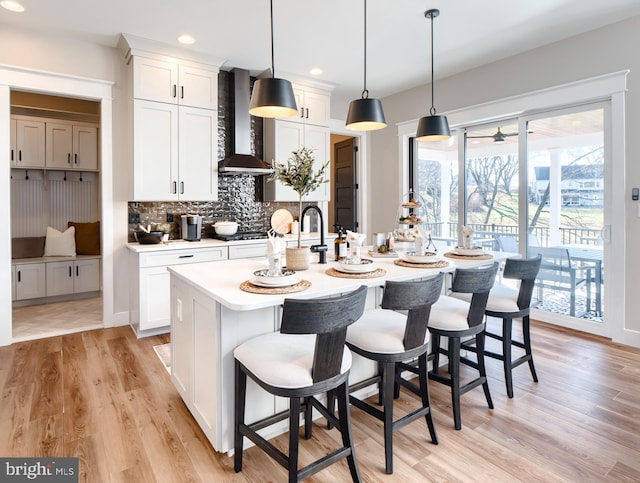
<point>306,357</point>
<point>507,304</point>
<point>454,319</point>
<point>391,338</point>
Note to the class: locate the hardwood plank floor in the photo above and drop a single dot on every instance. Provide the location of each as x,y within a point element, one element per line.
<point>104,397</point>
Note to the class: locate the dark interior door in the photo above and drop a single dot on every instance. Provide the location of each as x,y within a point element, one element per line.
<point>345,185</point>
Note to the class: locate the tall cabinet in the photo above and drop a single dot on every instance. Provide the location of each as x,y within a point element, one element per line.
<point>310,128</point>
<point>175,128</point>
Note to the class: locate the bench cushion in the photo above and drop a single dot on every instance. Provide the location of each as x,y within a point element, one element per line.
<point>27,247</point>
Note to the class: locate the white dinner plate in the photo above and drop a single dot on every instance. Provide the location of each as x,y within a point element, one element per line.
<point>468,252</point>
<point>429,257</point>
<point>261,278</point>
<point>365,266</point>
<point>285,282</point>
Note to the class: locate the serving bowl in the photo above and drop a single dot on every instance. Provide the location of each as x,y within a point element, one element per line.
<point>150,238</point>
<point>468,251</point>
<point>283,279</point>
<point>225,227</point>
<point>411,257</point>
<point>347,266</point>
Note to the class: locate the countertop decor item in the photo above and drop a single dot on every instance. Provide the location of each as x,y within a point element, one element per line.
<point>225,227</point>
<point>149,238</point>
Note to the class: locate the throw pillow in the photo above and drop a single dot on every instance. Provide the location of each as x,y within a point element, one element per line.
<point>60,244</point>
<point>87,237</point>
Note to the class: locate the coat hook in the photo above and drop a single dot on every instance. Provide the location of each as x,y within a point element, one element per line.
<point>65,176</point>
<point>26,174</point>
<point>80,175</point>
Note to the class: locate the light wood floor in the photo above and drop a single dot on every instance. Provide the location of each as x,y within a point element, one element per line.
<point>105,397</point>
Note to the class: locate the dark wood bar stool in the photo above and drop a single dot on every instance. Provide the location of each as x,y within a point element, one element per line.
<point>390,338</point>
<point>306,357</point>
<point>456,319</point>
<point>507,304</point>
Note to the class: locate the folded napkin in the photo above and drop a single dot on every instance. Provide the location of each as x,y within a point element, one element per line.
<point>276,247</point>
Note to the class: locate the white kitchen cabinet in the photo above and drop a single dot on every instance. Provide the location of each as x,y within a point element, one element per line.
<point>175,152</point>
<point>73,276</point>
<point>149,298</point>
<point>30,280</point>
<point>29,144</point>
<point>281,137</point>
<point>253,250</point>
<point>71,146</point>
<point>12,142</point>
<point>313,106</point>
<point>13,282</point>
<point>175,82</point>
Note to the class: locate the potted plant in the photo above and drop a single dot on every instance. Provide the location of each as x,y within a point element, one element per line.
<point>298,173</point>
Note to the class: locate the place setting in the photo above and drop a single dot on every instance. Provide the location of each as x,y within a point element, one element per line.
<point>424,255</point>
<point>354,266</point>
<point>468,251</point>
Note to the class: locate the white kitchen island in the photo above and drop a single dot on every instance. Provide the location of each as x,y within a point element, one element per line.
<point>210,316</point>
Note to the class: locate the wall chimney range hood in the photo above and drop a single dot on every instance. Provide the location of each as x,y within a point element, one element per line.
<point>242,161</point>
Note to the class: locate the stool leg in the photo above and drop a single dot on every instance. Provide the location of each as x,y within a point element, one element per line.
<point>424,393</point>
<point>240,396</point>
<point>527,345</point>
<point>331,405</point>
<point>380,385</point>
<point>308,418</point>
<point>345,429</point>
<point>507,325</point>
<point>481,368</point>
<point>454,369</point>
<point>435,352</point>
<point>294,438</point>
<point>388,382</point>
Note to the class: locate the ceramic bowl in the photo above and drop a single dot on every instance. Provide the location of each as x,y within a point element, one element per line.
<point>151,238</point>
<point>468,251</point>
<point>262,278</point>
<point>225,227</point>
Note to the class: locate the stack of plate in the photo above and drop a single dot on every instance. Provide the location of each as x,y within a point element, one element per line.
<point>364,266</point>
<point>411,257</point>
<point>468,252</point>
<point>261,278</point>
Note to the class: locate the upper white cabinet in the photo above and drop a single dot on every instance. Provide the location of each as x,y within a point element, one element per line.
<point>29,144</point>
<point>71,146</point>
<point>175,83</point>
<point>175,129</point>
<point>313,106</point>
<point>13,155</point>
<point>282,136</point>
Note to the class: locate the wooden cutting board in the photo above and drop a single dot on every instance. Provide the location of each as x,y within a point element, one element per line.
<point>281,221</point>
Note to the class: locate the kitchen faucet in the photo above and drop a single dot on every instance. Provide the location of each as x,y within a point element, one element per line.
<point>321,249</point>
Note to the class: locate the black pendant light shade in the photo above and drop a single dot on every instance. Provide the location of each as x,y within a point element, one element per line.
<point>433,127</point>
<point>272,97</point>
<point>365,114</point>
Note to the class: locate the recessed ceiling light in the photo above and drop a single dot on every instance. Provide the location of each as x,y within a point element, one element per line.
<point>11,5</point>
<point>186,39</point>
<point>316,71</point>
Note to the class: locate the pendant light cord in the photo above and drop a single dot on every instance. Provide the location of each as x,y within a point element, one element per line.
<point>432,111</point>
<point>365,92</point>
<point>273,71</point>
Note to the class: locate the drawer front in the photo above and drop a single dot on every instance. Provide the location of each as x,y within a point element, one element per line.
<point>256,250</point>
<point>177,257</point>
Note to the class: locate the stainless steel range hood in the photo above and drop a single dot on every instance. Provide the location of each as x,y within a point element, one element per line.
<point>242,161</point>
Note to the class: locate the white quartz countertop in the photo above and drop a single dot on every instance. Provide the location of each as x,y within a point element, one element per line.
<point>221,280</point>
<point>213,242</point>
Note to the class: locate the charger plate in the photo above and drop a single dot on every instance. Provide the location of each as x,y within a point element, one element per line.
<point>485,256</point>
<point>379,272</point>
<point>247,286</point>
<point>434,264</point>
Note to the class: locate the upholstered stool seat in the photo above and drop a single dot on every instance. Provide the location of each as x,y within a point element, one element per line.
<point>390,338</point>
<point>456,319</point>
<point>307,357</point>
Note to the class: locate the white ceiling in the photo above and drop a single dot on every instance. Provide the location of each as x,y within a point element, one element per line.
<point>329,33</point>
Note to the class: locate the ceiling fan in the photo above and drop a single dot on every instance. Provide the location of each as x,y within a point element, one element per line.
<point>498,138</point>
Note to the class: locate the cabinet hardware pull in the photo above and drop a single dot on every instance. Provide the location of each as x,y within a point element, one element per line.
<point>68,158</point>
<point>12,155</point>
<point>181,187</point>
<point>181,92</point>
<point>70,274</point>
<point>302,113</point>
<point>20,155</point>
<point>175,187</point>
<point>175,91</point>
<point>19,275</point>
<point>307,110</point>
<point>185,256</point>
<point>76,158</point>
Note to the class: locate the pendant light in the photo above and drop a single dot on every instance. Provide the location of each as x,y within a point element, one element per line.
<point>433,127</point>
<point>272,97</point>
<point>365,114</point>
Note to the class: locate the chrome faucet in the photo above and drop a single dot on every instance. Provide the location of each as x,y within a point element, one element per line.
<point>321,249</point>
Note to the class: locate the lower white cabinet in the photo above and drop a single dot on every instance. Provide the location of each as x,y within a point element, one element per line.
<point>149,298</point>
<point>30,281</point>
<point>73,276</point>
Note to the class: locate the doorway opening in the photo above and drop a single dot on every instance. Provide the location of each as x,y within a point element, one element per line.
<point>343,204</point>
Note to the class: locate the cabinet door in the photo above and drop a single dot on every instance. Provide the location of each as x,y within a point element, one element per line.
<point>182,341</point>
<point>85,148</point>
<point>155,148</point>
<point>13,283</point>
<point>30,136</point>
<point>87,275</point>
<point>155,80</point>
<point>198,158</point>
<point>59,278</point>
<point>289,136</point>
<point>59,145</point>
<point>318,138</point>
<point>198,88</point>
<point>30,281</point>
<point>154,298</point>
<point>12,142</point>
<point>316,108</point>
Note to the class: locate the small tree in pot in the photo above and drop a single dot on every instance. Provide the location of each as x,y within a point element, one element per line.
<point>298,174</point>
